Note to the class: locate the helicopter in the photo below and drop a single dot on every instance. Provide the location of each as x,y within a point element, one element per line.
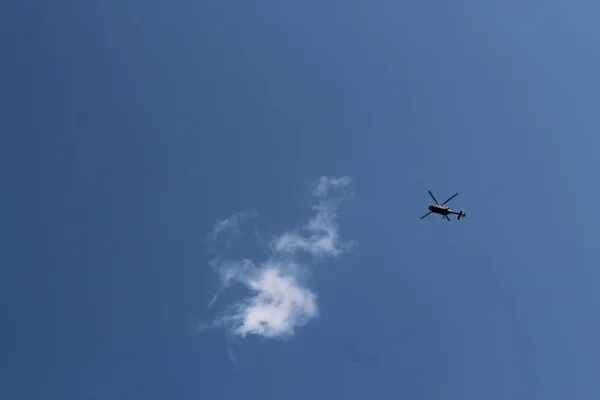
<point>443,210</point>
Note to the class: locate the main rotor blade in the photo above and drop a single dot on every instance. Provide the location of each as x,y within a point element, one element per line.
<point>426,215</point>
<point>451,197</point>
<point>448,218</point>
<point>433,197</point>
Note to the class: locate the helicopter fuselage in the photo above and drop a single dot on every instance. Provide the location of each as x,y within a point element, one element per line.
<point>442,209</point>
<point>437,209</point>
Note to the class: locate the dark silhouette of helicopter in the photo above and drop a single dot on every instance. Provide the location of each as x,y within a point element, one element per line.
<point>443,210</point>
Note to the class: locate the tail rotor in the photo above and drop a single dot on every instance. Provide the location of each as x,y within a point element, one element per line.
<point>461,214</point>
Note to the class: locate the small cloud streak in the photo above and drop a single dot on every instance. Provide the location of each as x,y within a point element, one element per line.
<point>231,354</point>
<point>324,184</point>
<point>230,223</point>
<point>280,301</point>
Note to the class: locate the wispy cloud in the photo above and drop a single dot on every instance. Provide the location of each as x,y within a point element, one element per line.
<point>230,223</point>
<point>280,301</point>
<point>323,185</point>
<point>231,354</point>
<point>200,327</point>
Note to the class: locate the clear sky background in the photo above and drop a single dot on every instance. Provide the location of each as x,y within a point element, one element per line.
<point>131,128</point>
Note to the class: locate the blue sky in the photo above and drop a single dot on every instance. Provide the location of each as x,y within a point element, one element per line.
<point>310,132</point>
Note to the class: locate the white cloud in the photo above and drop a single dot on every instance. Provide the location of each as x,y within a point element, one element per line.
<point>280,301</point>
<point>322,185</point>
<point>319,237</point>
<point>230,223</point>
<point>279,305</point>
